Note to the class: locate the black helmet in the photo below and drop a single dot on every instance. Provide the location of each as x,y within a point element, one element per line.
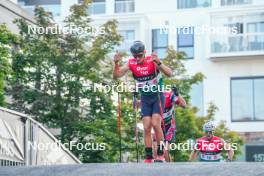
<point>138,47</point>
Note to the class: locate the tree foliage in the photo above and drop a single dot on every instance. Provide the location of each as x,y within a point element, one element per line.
<point>7,39</point>
<point>53,78</point>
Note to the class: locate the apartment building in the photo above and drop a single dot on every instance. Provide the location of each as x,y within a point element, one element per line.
<point>232,63</point>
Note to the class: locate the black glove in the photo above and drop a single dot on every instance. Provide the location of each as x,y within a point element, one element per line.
<point>175,90</point>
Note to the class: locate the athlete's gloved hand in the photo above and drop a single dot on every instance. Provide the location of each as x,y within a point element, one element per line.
<point>117,57</point>
<point>175,90</point>
<point>155,58</point>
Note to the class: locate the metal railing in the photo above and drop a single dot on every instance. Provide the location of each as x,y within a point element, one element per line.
<point>20,136</point>
<point>10,163</point>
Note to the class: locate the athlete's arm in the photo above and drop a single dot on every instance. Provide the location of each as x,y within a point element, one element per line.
<point>119,72</point>
<point>163,68</point>
<point>228,148</point>
<point>181,102</point>
<point>193,155</point>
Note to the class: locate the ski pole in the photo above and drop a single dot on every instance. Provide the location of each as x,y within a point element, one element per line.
<point>135,116</point>
<point>119,127</point>
<point>160,105</point>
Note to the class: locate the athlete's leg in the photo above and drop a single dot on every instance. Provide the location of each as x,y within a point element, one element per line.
<point>146,112</point>
<point>147,138</point>
<point>156,121</point>
<point>147,131</point>
<point>158,107</point>
<point>169,138</point>
<point>167,155</point>
<point>154,143</point>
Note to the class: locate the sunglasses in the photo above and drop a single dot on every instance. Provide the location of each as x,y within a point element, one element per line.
<point>138,55</point>
<point>209,132</point>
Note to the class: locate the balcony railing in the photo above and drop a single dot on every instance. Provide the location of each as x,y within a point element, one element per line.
<point>235,2</point>
<point>239,43</point>
<point>97,8</point>
<point>124,6</point>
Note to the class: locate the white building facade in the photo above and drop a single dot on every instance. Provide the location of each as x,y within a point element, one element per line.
<point>233,64</point>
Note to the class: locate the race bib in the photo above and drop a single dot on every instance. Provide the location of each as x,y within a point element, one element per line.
<point>208,157</point>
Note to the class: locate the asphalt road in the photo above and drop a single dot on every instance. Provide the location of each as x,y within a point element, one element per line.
<point>156,169</point>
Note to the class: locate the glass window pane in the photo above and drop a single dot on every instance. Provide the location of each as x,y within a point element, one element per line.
<point>261,27</point>
<point>196,95</point>
<point>185,37</point>
<point>130,35</point>
<point>242,100</point>
<point>159,39</point>
<point>259,98</point>
<point>98,1</point>
<point>189,51</point>
<point>251,27</point>
<point>183,4</point>
<point>161,52</point>
<point>122,6</point>
<point>97,7</point>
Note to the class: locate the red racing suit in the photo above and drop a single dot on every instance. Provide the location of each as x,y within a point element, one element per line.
<point>210,151</point>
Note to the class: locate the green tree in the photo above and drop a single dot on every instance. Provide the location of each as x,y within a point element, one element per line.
<point>53,79</point>
<point>6,41</point>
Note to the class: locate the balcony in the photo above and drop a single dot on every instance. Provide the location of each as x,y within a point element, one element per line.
<point>249,44</point>
<point>124,6</point>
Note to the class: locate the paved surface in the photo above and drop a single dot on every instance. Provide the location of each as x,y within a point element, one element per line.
<point>163,169</point>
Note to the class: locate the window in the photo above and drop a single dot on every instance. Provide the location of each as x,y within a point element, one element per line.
<point>255,27</point>
<point>235,2</point>
<point>196,95</point>
<point>128,39</point>
<point>160,42</point>
<point>123,6</point>
<point>97,7</point>
<point>256,41</point>
<point>247,99</point>
<point>38,2</point>
<point>185,4</point>
<point>185,39</point>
